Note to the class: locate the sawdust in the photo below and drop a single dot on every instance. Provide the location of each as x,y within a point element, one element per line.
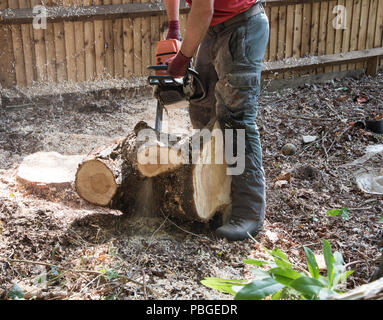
<point>169,256</point>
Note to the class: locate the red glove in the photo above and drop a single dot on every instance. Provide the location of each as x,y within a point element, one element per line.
<point>174,30</point>
<point>178,65</point>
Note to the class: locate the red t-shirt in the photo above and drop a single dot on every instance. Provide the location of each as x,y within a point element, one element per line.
<point>226,9</point>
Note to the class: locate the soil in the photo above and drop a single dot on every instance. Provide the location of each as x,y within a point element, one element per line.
<point>74,250</point>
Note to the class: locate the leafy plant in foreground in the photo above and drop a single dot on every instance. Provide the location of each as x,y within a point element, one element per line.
<point>281,281</point>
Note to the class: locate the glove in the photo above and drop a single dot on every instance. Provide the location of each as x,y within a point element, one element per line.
<point>178,65</point>
<point>174,30</point>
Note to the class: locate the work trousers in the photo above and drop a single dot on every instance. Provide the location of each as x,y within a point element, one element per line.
<point>229,61</point>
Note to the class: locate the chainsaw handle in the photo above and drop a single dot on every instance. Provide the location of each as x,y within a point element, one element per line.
<point>158,67</point>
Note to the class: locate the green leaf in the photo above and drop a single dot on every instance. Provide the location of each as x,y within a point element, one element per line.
<point>308,287</point>
<point>338,267</point>
<point>277,295</point>
<point>381,219</point>
<point>222,285</point>
<point>329,260</point>
<point>256,262</point>
<point>259,289</point>
<point>259,274</point>
<point>111,274</point>
<point>15,292</point>
<point>284,275</point>
<point>339,212</point>
<point>325,293</point>
<point>311,263</point>
<point>280,258</point>
<point>343,277</point>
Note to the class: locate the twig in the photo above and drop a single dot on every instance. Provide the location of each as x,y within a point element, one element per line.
<point>78,271</point>
<point>351,263</point>
<point>333,110</point>
<point>304,118</point>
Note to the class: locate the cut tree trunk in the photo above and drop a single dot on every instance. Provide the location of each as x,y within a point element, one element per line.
<point>150,172</point>
<point>107,178</point>
<point>48,175</point>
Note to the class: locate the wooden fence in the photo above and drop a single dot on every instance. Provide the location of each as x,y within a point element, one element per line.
<point>93,39</point>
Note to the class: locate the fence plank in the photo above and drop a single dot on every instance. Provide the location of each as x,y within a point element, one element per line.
<point>372,15</point>
<point>7,61</point>
<point>346,39</point>
<point>330,36</point>
<point>127,26</point>
<point>109,46</point>
<point>40,51</point>
<point>70,46</point>
<point>281,36</point>
<point>281,32</point>
<point>18,49</point>
<point>338,32</point>
<point>267,50</point>
<point>273,33</point>
<point>137,44</point>
<point>322,30</point>
<point>80,51</point>
<point>364,21</point>
<point>314,35</point>
<point>58,28</point>
<point>354,29</point>
<point>146,44</point>
<point>90,54</point>
<point>51,50</point>
<point>297,40</point>
<point>26,31</point>
<point>118,46</point>
<point>379,28</point>
<point>289,31</point>
<point>305,48</point>
<point>99,45</point>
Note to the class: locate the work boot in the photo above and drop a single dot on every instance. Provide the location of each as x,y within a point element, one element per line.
<point>237,228</point>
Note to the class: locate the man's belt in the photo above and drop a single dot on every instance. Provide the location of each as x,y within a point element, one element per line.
<point>252,11</point>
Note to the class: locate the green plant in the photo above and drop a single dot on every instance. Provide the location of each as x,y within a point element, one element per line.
<point>343,213</point>
<point>281,281</point>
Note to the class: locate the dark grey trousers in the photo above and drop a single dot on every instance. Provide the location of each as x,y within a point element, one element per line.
<point>229,61</point>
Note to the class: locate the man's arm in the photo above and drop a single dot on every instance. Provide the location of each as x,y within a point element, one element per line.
<point>197,25</point>
<point>172,9</point>
<point>198,22</point>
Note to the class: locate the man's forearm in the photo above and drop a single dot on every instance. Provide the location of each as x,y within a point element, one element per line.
<point>197,25</point>
<point>172,9</point>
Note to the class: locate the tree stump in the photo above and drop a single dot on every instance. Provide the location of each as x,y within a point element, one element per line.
<point>148,172</point>
<point>48,174</point>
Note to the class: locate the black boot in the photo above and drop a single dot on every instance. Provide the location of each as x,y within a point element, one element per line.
<point>238,228</point>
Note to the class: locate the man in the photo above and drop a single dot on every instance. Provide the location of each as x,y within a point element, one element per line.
<point>231,36</point>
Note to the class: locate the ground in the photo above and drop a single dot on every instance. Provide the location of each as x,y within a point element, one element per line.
<point>73,250</point>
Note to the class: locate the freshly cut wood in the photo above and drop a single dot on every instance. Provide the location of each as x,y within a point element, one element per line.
<point>110,176</point>
<point>150,172</point>
<point>199,189</point>
<point>100,175</point>
<point>44,173</point>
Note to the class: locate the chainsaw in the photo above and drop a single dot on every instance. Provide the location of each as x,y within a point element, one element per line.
<point>172,93</point>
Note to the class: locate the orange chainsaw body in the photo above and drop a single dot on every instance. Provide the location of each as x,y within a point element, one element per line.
<point>165,50</point>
